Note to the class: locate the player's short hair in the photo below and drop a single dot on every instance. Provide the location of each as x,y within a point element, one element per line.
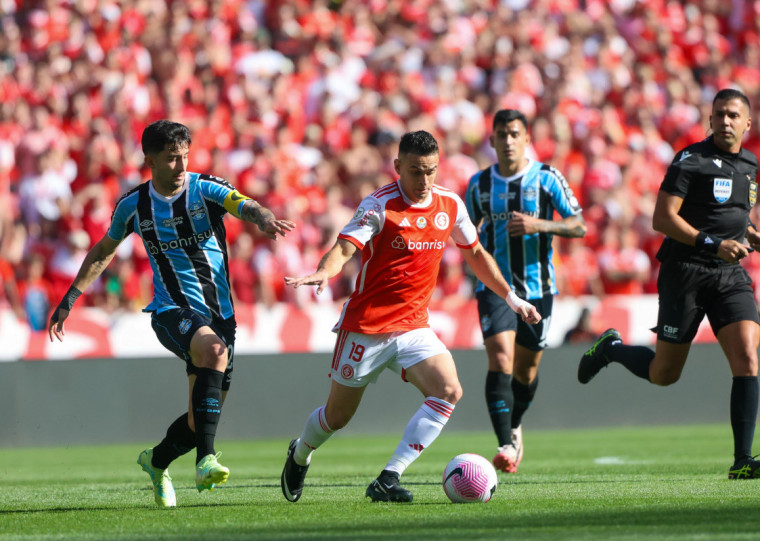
<point>162,134</point>
<point>505,116</point>
<point>419,143</point>
<point>731,94</point>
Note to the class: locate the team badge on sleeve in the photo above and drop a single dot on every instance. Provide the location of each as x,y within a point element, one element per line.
<point>722,189</point>
<point>752,193</point>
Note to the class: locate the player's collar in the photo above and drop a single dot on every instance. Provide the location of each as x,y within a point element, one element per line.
<point>422,204</point>
<point>723,151</point>
<point>154,193</point>
<point>519,174</point>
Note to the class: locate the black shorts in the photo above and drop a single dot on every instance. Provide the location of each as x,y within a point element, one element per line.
<point>175,329</point>
<point>496,316</point>
<point>689,291</point>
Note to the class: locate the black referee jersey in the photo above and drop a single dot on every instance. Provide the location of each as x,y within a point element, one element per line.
<point>718,188</point>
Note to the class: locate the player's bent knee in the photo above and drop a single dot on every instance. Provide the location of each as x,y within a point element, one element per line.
<point>212,362</point>
<point>214,357</point>
<point>451,393</point>
<point>663,379</point>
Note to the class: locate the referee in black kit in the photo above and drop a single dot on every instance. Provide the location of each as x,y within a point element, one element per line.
<point>703,207</point>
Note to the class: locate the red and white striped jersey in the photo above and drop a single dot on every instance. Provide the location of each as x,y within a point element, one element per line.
<point>401,247</point>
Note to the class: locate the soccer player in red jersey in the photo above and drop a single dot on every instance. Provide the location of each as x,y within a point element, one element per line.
<point>401,231</point>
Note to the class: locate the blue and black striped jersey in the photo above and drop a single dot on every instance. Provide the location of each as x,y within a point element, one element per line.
<point>538,190</point>
<point>185,238</point>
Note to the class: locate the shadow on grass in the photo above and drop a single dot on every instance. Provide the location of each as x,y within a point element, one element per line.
<point>468,522</point>
<point>118,508</point>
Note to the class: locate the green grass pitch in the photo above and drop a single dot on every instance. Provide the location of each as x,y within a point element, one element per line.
<point>624,483</point>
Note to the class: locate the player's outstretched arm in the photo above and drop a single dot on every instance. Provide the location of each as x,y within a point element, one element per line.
<point>487,271</point>
<point>95,262</point>
<point>264,218</point>
<point>330,265</point>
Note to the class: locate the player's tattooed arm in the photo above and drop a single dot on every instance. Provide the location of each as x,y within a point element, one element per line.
<point>265,219</point>
<point>523,224</point>
<point>255,213</point>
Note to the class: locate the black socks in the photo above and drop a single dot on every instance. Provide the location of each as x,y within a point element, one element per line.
<point>499,399</point>
<point>744,403</point>
<point>178,441</point>
<point>207,409</point>
<point>635,358</point>
<point>523,396</point>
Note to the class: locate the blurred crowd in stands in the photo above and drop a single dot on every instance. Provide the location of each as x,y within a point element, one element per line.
<point>300,105</point>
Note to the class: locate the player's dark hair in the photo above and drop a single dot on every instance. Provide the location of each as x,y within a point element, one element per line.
<point>731,94</point>
<point>505,116</point>
<point>419,143</point>
<point>162,134</point>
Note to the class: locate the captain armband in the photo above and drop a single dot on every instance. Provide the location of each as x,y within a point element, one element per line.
<point>707,243</point>
<point>515,302</point>
<point>233,200</point>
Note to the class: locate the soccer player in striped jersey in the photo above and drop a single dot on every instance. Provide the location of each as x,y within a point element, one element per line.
<point>513,203</point>
<point>401,231</point>
<point>179,216</point>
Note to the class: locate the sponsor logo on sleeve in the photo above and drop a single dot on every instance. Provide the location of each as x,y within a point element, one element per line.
<point>367,215</point>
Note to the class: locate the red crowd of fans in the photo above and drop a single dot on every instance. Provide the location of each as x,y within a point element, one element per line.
<point>300,105</point>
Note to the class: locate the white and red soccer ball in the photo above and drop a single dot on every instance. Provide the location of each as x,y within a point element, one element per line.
<point>469,478</point>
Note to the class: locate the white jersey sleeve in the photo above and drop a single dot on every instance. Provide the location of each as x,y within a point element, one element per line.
<point>464,233</point>
<point>366,222</point>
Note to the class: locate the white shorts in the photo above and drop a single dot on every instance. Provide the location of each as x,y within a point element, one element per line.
<point>359,358</point>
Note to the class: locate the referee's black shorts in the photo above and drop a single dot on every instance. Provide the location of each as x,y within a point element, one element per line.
<point>689,291</point>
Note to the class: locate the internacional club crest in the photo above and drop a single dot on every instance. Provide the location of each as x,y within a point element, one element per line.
<point>441,221</point>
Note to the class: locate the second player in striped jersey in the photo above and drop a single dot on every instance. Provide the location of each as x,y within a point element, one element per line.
<point>513,203</point>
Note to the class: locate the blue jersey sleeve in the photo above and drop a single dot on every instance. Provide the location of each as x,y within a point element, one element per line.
<point>222,193</point>
<point>471,199</point>
<point>562,196</point>
<point>123,217</point>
